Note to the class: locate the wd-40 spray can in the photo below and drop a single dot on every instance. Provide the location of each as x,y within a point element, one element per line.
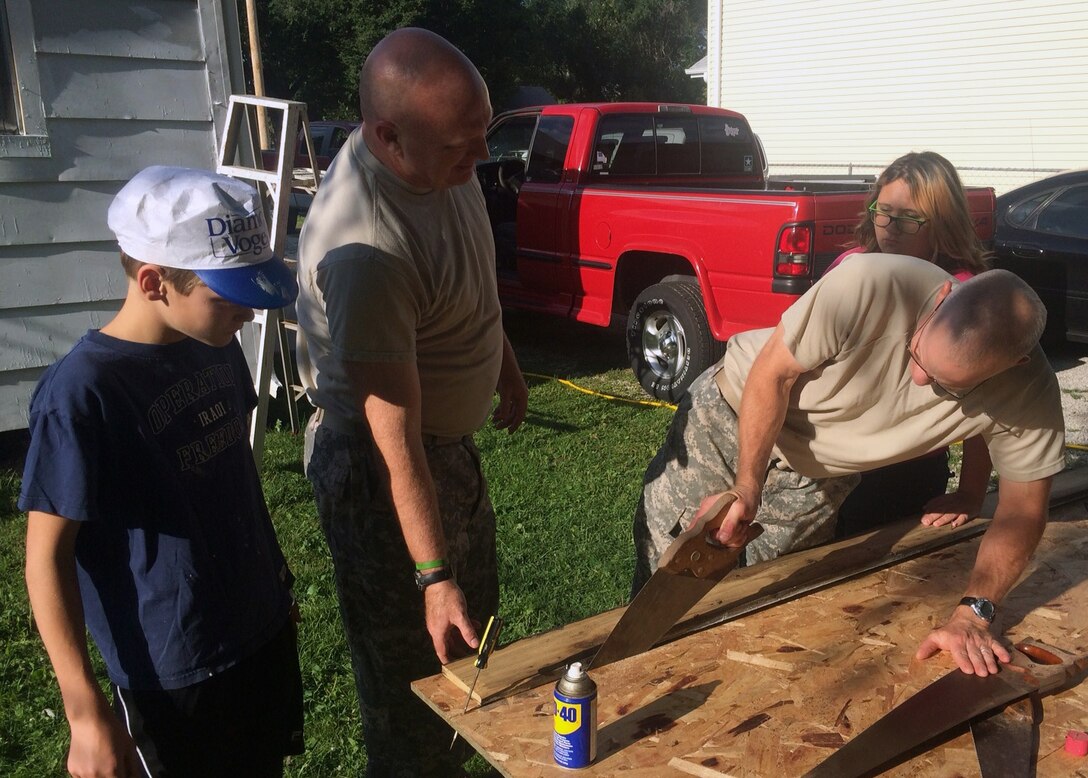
<point>575,740</point>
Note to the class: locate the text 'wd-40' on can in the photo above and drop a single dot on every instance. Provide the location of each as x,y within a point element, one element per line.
<point>574,742</point>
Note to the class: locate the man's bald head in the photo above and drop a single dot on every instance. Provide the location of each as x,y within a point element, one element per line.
<point>994,314</point>
<point>409,71</point>
<point>425,109</point>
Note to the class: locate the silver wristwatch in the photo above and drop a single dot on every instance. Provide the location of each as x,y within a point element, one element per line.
<point>981,607</point>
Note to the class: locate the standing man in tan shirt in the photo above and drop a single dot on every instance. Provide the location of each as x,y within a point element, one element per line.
<point>402,350</point>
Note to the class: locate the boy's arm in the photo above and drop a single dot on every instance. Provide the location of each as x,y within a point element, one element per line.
<point>100,745</point>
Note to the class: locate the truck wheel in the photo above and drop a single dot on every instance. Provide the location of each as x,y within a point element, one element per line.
<point>668,338</point>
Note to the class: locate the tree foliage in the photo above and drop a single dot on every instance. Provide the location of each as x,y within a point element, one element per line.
<point>578,50</point>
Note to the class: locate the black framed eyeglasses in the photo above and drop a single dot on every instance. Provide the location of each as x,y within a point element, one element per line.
<point>954,394</point>
<point>905,224</point>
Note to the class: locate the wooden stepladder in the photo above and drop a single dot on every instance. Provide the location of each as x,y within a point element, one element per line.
<point>239,157</point>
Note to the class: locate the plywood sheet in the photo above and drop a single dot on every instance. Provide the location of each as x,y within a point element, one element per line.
<point>774,692</point>
<point>542,658</point>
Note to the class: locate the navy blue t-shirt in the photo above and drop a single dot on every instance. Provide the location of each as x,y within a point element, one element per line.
<point>179,568</point>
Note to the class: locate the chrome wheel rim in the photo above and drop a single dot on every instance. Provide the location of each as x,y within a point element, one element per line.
<point>664,345</point>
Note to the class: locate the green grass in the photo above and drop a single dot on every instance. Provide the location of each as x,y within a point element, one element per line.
<point>564,488</point>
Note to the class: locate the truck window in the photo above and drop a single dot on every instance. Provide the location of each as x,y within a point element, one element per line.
<point>677,145</point>
<point>624,146</point>
<point>728,147</point>
<point>511,139</point>
<point>549,149</point>
<point>670,145</point>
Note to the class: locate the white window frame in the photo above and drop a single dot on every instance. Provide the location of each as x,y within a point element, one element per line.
<point>32,140</point>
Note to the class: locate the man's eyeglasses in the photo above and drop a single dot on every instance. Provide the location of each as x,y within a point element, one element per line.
<point>906,224</point>
<point>958,394</point>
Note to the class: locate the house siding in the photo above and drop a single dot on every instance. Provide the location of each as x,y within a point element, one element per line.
<point>121,85</point>
<point>1000,88</point>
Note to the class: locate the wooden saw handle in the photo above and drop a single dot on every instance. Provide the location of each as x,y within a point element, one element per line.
<point>696,553</point>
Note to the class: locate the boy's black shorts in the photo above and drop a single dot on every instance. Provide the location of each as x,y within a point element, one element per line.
<point>242,721</point>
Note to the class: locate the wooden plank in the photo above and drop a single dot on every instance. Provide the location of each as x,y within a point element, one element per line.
<point>151,29</point>
<point>773,693</point>
<point>46,275</point>
<point>109,88</point>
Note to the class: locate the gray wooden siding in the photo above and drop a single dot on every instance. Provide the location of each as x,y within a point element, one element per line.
<point>123,85</point>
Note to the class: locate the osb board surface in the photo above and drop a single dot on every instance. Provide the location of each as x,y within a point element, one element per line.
<point>773,693</point>
<point>528,663</point>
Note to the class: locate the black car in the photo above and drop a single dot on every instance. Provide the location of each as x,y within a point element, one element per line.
<point>1042,235</point>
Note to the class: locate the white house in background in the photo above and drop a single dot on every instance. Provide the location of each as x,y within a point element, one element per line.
<point>92,91</point>
<point>1000,87</point>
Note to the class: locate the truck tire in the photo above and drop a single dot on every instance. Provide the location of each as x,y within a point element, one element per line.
<point>668,338</point>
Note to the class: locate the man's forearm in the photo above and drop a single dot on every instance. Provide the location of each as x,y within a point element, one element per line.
<point>1010,540</point>
<point>411,485</point>
<point>388,395</point>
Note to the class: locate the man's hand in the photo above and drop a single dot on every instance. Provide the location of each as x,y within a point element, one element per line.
<point>513,402</point>
<point>512,391</point>
<point>967,638</point>
<point>964,504</point>
<point>448,622</point>
<point>955,509</point>
<point>738,516</point>
<point>101,748</point>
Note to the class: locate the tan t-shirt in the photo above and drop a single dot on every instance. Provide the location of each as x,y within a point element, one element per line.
<point>392,273</point>
<point>857,409</point>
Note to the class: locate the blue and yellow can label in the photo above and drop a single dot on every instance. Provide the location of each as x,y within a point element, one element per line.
<point>574,743</point>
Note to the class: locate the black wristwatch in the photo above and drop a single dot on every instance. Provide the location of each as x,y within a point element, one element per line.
<point>425,578</point>
<point>981,607</point>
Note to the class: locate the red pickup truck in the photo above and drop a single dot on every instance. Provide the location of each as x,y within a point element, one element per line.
<point>661,214</point>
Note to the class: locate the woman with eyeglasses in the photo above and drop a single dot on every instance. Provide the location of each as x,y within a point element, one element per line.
<point>919,208</point>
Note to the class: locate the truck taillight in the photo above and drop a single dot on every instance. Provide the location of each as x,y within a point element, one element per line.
<point>794,255</point>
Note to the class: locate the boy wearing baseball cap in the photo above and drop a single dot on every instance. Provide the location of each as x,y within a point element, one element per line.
<point>147,524</point>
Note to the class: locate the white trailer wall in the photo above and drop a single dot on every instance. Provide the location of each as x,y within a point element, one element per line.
<point>1000,87</point>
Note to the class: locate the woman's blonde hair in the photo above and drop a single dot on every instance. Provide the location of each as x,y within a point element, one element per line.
<point>935,186</point>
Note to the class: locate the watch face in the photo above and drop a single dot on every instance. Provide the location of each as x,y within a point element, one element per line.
<point>981,607</point>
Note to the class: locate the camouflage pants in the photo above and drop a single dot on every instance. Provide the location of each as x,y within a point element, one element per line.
<point>698,458</point>
<point>381,607</point>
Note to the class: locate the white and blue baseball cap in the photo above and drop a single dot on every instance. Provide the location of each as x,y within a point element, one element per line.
<point>208,223</point>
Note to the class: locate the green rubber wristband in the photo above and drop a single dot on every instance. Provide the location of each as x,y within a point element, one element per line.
<point>432,564</point>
